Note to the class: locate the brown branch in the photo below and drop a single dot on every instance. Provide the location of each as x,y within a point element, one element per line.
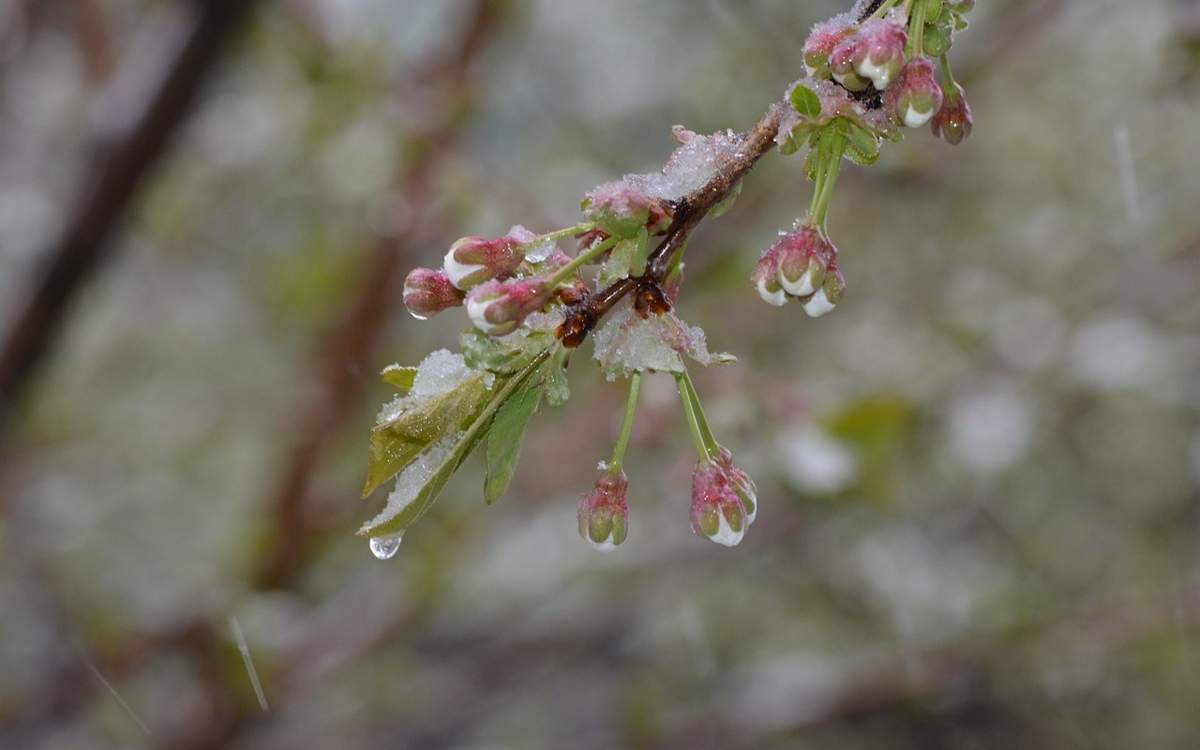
<point>119,172</point>
<point>583,316</point>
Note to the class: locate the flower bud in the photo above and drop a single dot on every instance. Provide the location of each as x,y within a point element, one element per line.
<point>499,307</point>
<point>427,292</point>
<point>474,260</point>
<point>604,512</point>
<point>766,278</point>
<point>953,121</point>
<point>821,43</point>
<point>619,209</point>
<point>825,299</point>
<point>804,255</point>
<point>741,483</point>
<point>916,98</point>
<point>878,52</point>
<point>717,511</point>
<point>841,64</point>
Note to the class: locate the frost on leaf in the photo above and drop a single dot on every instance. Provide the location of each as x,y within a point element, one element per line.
<point>691,166</point>
<point>627,343</point>
<point>410,481</point>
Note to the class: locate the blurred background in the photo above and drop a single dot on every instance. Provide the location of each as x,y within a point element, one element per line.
<point>979,478</point>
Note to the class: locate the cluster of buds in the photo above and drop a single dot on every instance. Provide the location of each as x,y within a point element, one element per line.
<point>724,499</point>
<point>867,77</point>
<point>802,264</point>
<point>604,511</point>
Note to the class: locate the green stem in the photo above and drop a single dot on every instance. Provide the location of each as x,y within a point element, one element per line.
<point>818,186</point>
<point>586,256</point>
<point>557,235</point>
<point>949,87</point>
<point>710,442</point>
<point>689,413</point>
<point>883,9</point>
<point>614,466</point>
<point>916,31</point>
<point>835,150</point>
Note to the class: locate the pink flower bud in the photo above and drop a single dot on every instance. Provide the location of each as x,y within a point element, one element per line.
<point>917,97</point>
<point>841,64</point>
<point>953,121</point>
<point>717,511</point>
<point>604,512</point>
<point>474,260</point>
<point>499,307</point>
<point>427,292</point>
<point>821,42</point>
<point>619,209</point>
<point>804,254</point>
<point>825,299</point>
<point>741,483</point>
<point>880,54</point>
<point>766,278</point>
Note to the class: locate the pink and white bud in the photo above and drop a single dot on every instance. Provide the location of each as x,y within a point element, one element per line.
<point>717,512</point>
<point>766,278</point>
<point>474,260</point>
<point>741,483</point>
<point>917,97</point>
<point>604,512</point>
<point>878,55</point>
<point>841,64</point>
<point>427,292</point>
<point>499,307</point>
<point>821,43</point>
<point>804,254</point>
<point>825,299</point>
<point>619,209</point>
<point>953,121</point>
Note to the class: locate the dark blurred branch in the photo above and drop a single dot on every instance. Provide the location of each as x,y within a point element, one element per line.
<point>348,348</point>
<point>120,169</point>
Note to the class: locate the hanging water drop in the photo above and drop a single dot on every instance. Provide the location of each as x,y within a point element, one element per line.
<point>384,547</point>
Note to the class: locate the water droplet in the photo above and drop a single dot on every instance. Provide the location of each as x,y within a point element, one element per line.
<point>384,547</point>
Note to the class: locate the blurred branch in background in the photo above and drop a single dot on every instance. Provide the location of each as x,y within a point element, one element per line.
<point>125,158</point>
<point>348,348</point>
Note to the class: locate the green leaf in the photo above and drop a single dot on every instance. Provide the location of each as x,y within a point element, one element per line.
<point>437,481</point>
<point>727,202</point>
<point>504,355</point>
<point>862,147</point>
<point>619,262</point>
<point>641,253</point>
<point>504,438</point>
<point>399,377</point>
<point>395,443</point>
<point>805,101</point>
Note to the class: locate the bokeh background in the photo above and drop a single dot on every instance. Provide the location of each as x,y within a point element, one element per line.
<point>979,478</point>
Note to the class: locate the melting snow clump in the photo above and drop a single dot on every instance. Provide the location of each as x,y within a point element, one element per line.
<point>410,481</point>
<point>690,167</point>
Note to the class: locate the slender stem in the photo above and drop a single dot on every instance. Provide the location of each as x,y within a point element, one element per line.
<point>818,187</point>
<point>586,256</point>
<point>949,86</point>
<point>614,466</point>
<point>559,234</point>
<point>836,148</point>
<point>710,442</point>
<point>689,413</point>
<point>916,31</point>
<point>884,8</point>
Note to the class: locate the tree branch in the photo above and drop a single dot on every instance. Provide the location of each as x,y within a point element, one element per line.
<point>119,173</point>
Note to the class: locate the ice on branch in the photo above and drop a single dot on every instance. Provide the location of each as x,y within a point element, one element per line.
<point>627,343</point>
<point>691,166</point>
<point>410,481</point>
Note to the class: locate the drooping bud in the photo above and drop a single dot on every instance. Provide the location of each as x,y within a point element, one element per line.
<point>841,64</point>
<point>741,483</point>
<point>825,299</point>
<point>821,43</point>
<point>804,254</point>
<point>766,278</point>
<point>499,307</point>
<point>879,55</point>
<point>620,209</point>
<point>953,121</point>
<point>917,97</point>
<point>474,260</point>
<point>604,512</point>
<point>717,512</point>
<point>427,292</point>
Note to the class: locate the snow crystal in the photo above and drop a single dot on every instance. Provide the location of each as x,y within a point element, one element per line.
<point>410,481</point>
<point>692,166</point>
<point>538,253</point>
<point>628,343</point>
<point>441,372</point>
